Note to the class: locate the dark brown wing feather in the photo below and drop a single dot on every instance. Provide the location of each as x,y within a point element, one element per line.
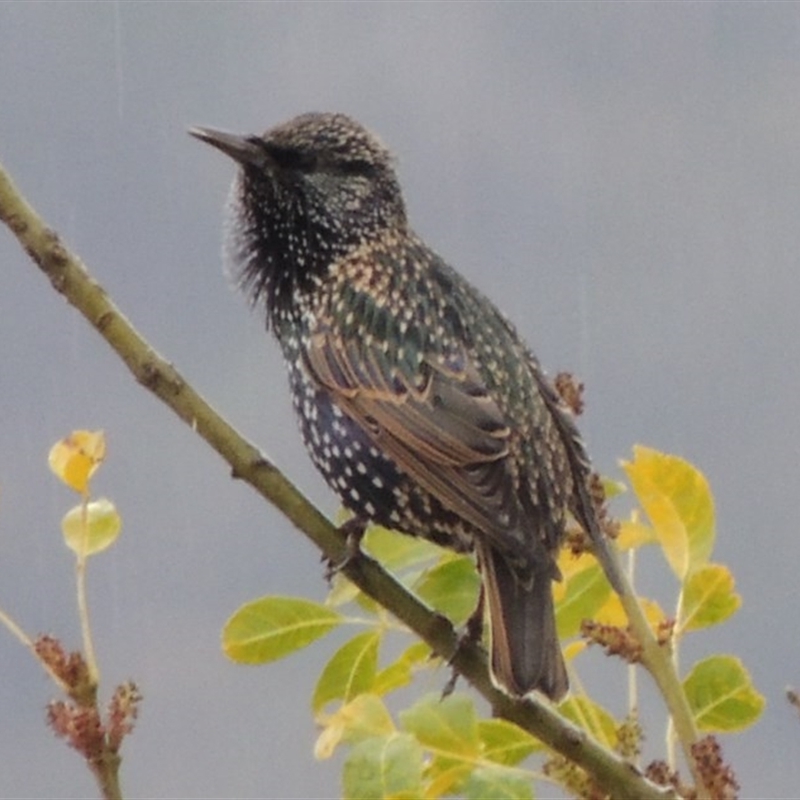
<point>441,427</point>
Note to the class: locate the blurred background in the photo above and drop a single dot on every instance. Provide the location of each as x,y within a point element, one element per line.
<point>622,179</point>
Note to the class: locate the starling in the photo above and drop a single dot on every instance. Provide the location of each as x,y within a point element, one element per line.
<point>417,400</point>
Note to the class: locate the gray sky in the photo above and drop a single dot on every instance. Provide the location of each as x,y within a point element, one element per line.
<point>622,179</point>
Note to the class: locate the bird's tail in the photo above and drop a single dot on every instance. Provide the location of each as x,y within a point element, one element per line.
<point>525,652</point>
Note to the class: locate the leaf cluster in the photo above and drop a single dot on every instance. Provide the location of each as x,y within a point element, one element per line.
<point>439,747</point>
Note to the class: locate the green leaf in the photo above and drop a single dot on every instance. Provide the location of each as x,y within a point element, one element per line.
<point>504,743</point>
<point>447,726</point>
<point>451,588</point>
<point>612,488</point>
<point>272,627</point>
<point>449,729</point>
<point>677,499</point>
<point>498,784</point>
<point>721,695</point>
<point>708,598</point>
<point>586,592</point>
<point>591,717</point>
<point>384,767</point>
<point>400,673</point>
<point>350,671</point>
<point>101,530</point>
<point>397,551</point>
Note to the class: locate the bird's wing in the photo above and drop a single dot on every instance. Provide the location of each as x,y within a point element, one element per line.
<point>440,426</point>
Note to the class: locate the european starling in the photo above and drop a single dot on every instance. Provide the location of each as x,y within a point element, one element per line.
<point>417,400</point>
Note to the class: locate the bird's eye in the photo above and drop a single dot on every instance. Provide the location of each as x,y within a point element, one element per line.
<point>291,158</point>
<point>356,167</point>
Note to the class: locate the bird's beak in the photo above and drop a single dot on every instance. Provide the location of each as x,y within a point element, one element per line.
<point>243,149</point>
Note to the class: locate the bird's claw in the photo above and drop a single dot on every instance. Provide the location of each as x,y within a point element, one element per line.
<point>353,530</point>
<point>470,635</point>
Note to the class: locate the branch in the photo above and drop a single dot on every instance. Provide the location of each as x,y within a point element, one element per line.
<point>70,278</point>
<point>656,659</point>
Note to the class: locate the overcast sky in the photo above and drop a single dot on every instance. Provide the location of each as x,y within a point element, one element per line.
<point>623,179</point>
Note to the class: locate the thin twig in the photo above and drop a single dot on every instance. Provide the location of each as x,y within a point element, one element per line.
<point>83,605</point>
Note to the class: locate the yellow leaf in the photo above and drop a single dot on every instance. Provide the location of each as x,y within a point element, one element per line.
<point>633,534</point>
<point>505,743</point>
<point>363,717</point>
<point>75,458</point>
<point>95,530</point>
<point>677,500</point>
<point>573,649</point>
<point>401,671</point>
<point>570,565</point>
<point>590,716</point>
<point>342,591</point>
<point>612,612</point>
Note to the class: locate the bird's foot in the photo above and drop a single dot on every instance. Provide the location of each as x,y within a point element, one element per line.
<point>450,686</point>
<point>354,530</point>
<point>472,634</point>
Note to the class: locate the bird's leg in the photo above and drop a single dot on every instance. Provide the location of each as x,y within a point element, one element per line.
<point>473,630</point>
<point>472,634</point>
<point>354,530</point>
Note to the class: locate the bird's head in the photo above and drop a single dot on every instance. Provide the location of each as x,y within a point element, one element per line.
<point>307,192</point>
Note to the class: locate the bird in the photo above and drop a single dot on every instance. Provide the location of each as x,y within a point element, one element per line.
<point>417,399</point>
